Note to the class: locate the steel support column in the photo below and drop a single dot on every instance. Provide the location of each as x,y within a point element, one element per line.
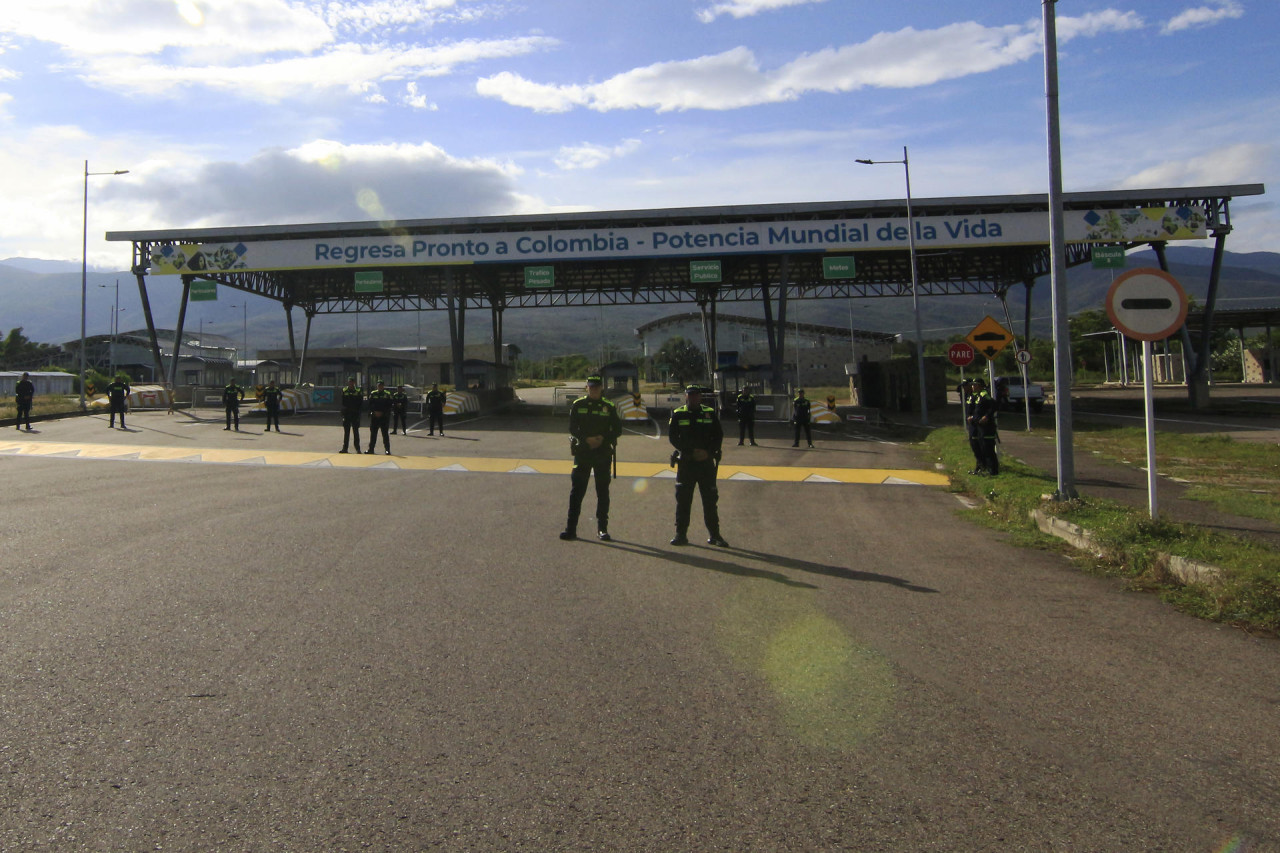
<point>151,325</point>
<point>177,333</point>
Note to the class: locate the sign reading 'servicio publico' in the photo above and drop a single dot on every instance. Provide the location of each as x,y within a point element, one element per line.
<point>1131,225</point>
<point>704,272</point>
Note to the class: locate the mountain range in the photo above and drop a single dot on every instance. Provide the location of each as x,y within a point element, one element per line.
<point>43,298</point>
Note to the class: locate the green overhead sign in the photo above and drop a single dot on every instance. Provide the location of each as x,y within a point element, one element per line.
<point>704,272</point>
<point>369,282</point>
<point>1108,257</point>
<point>539,276</point>
<point>204,291</point>
<point>842,267</point>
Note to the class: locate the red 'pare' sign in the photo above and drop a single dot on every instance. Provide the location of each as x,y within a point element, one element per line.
<point>960,354</point>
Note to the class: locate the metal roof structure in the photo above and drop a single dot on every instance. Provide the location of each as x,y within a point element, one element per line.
<point>459,276</point>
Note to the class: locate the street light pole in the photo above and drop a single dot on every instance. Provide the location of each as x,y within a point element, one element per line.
<point>84,271</point>
<point>114,328</point>
<point>915,281</point>
<point>244,305</point>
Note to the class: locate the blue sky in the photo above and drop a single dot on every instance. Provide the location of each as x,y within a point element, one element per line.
<point>248,112</point>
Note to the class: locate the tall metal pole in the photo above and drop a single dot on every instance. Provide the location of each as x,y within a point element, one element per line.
<point>915,282</point>
<point>915,294</point>
<point>1058,257</point>
<point>84,280</point>
<point>84,271</point>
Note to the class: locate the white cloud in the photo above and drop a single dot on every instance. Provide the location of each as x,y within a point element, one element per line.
<point>378,15</point>
<point>91,28</point>
<point>747,8</point>
<point>1241,163</point>
<point>1203,16</point>
<point>349,67</point>
<point>325,181</point>
<point>589,156</point>
<point>413,98</point>
<point>733,79</point>
<point>1096,23</point>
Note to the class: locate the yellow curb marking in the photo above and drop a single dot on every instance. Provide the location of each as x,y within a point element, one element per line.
<point>472,464</point>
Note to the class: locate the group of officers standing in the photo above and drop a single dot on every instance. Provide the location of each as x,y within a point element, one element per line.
<point>388,411</point>
<point>694,431</point>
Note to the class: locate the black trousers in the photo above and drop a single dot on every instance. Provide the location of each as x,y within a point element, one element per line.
<point>117,407</point>
<point>984,453</point>
<point>692,475</point>
<point>747,429</point>
<point>808,432</point>
<point>379,422</point>
<point>435,419</point>
<point>233,412</point>
<point>398,422</point>
<point>351,429</point>
<point>273,417</point>
<point>24,414</point>
<point>583,466</point>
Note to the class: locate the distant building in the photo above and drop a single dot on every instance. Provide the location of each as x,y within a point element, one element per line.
<point>814,354</point>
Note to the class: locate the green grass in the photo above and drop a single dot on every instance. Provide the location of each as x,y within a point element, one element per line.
<point>1238,477</point>
<point>47,404</point>
<point>1133,544</point>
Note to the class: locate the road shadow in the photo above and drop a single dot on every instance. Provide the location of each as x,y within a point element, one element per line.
<point>839,572</point>
<point>693,559</point>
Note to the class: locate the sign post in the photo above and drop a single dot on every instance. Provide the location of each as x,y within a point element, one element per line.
<point>1147,305</point>
<point>961,354</point>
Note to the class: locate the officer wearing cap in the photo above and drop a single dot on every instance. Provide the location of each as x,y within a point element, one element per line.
<point>435,409</point>
<point>696,435</point>
<point>24,394</point>
<point>594,428</point>
<point>745,404</point>
<point>980,418</point>
<point>379,417</point>
<point>399,411</point>
<point>352,401</point>
<point>232,394</point>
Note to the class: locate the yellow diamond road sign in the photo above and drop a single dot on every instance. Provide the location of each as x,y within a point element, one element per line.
<point>989,337</point>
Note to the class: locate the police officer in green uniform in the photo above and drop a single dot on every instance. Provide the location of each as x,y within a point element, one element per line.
<point>24,394</point>
<point>352,400</point>
<point>594,427</point>
<point>800,416</point>
<point>435,409</point>
<point>118,397</point>
<point>696,435</point>
<point>232,394</point>
<point>271,397</point>
<point>980,417</point>
<point>379,416</point>
<point>745,404</point>
<point>399,410</point>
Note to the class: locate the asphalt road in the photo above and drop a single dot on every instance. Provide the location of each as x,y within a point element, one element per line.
<point>260,657</point>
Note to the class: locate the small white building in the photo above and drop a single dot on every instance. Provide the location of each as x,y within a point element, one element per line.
<point>46,383</point>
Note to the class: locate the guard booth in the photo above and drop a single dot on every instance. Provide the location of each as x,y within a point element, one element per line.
<point>620,377</point>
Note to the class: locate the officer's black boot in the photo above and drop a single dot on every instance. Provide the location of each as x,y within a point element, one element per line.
<point>680,538</point>
<point>717,540</point>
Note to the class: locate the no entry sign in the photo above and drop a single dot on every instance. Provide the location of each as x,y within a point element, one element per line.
<point>1147,304</point>
<point>960,354</point>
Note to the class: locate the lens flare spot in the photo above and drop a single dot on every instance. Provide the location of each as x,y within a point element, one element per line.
<point>830,692</point>
<point>640,485</point>
<point>190,12</point>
